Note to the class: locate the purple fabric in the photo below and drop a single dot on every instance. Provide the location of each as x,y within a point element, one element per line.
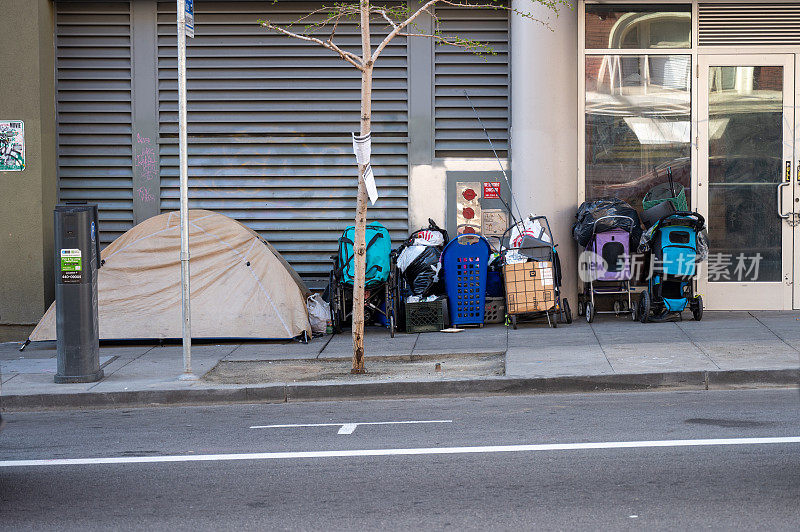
<point>612,239</point>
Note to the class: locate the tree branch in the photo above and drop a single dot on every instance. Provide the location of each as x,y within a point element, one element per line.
<point>466,4</point>
<point>344,54</point>
<point>387,18</point>
<point>450,41</point>
<point>398,28</point>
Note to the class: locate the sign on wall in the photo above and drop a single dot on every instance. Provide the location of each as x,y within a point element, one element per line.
<point>12,146</point>
<point>491,190</point>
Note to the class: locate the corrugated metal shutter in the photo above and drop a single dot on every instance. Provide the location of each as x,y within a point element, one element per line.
<point>269,128</point>
<point>458,133</point>
<point>741,24</point>
<point>93,106</point>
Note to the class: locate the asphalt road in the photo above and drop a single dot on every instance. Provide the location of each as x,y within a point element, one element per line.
<point>360,477</point>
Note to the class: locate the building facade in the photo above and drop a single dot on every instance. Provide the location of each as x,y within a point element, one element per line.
<point>604,99</point>
<point>706,91</point>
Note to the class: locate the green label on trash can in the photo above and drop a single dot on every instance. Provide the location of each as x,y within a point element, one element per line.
<point>71,265</point>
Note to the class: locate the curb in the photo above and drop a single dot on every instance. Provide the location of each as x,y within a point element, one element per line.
<point>281,393</point>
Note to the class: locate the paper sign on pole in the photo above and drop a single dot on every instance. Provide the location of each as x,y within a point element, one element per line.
<point>362,147</point>
<point>189,18</point>
<point>369,180</point>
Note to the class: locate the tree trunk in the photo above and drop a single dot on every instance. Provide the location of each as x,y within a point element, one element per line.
<point>359,244</point>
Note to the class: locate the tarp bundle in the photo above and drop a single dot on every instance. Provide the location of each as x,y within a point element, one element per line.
<point>241,286</point>
<point>590,212</point>
<point>418,258</point>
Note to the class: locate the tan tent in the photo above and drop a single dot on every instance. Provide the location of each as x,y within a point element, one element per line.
<point>241,286</point>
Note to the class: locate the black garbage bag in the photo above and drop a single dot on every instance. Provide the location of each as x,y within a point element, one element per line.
<point>423,272</point>
<point>591,211</point>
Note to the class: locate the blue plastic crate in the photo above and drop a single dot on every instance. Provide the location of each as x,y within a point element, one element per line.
<point>465,262</point>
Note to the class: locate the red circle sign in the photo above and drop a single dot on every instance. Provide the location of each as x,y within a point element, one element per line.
<point>468,213</point>
<point>469,194</point>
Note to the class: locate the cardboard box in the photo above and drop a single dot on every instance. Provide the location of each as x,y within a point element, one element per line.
<point>530,287</point>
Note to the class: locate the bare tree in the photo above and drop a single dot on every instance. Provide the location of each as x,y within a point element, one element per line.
<point>397,20</point>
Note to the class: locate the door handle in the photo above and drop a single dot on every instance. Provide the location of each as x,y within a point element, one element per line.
<point>780,201</point>
<point>781,185</point>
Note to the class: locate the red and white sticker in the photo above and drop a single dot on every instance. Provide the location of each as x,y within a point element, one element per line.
<point>491,190</point>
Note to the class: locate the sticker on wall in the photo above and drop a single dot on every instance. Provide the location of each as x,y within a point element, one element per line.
<point>71,265</point>
<point>494,225</point>
<point>468,207</point>
<point>491,190</point>
<point>12,146</point>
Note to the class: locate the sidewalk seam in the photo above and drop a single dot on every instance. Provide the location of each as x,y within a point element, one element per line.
<point>319,353</point>
<point>119,368</point>
<point>600,345</point>
<point>793,348</point>
<point>234,350</point>
<point>414,347</point>
<point>698,346</point>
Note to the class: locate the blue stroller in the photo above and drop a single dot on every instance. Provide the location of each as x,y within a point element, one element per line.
<point>673,245</point>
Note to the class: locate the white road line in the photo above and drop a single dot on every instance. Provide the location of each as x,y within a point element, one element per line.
<point>348,428</point>
<point>400,452</point>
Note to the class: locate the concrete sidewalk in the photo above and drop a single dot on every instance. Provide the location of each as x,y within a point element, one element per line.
<point>726,348</point>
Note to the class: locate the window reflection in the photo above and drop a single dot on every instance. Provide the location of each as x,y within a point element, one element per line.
<point>638,124</point>
<point>634,26</point>
<point>745,164</point>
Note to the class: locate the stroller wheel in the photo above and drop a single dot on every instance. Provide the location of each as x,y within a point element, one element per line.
<point>391,325</point>
<point>580,308</point>
<point>567,312</point>
<point>644,307</point>
<point>697,308</point>
<point>338,320</point>
<point>590,312</point>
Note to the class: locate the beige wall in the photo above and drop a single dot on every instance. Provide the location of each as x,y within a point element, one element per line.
<point>544,103</point>
<point>27,198</point>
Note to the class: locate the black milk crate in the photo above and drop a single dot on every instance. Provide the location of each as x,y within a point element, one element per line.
<point>426,316</point>
<point>495,310</point>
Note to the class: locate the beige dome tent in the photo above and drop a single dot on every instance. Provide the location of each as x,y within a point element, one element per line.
<point>241,286</point>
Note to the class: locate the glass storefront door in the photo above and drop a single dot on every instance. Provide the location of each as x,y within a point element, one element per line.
<point>747,184</point>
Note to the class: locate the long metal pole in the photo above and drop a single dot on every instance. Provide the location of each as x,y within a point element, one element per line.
<point>186,311</point>
<point>491,145</point>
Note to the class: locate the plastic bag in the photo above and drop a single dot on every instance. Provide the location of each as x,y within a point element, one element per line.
<point>646,239</point>
<point>591,212</point>
<point>423,271</point>
<point>702,247</point>
<point>319,314</point>
<point>432,235</point>
<point>530,228</point>
<point>408,255</point>
<point>513,256</point>
<point>426,237</point>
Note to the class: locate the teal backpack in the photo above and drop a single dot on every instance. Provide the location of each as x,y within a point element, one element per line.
<point>379,248</point>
